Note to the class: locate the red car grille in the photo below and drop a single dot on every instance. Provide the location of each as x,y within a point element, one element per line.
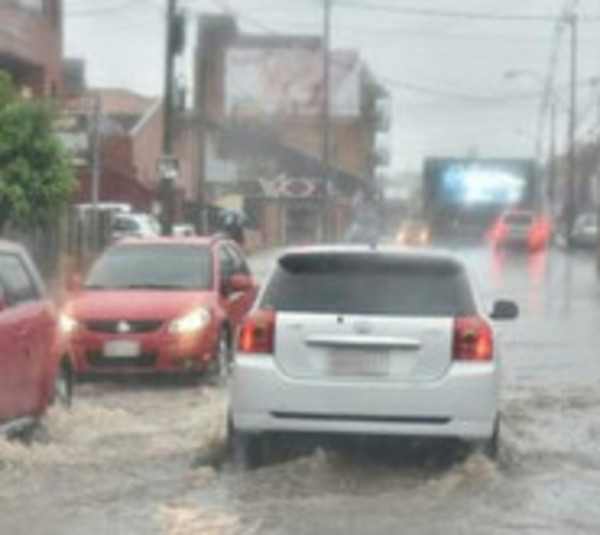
<point>123,326</point>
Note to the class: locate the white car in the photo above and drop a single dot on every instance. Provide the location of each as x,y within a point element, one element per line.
<point>352,340</point>
<point>585,231</point>
<point>134,225</point>
<point>184,229</point>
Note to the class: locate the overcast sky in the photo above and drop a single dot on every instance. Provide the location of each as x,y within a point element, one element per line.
<point>446,74</point>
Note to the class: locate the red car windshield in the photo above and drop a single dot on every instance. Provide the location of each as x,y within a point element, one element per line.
<point>168,267</point>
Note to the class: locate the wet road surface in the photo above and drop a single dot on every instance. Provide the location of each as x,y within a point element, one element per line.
<point>140,458</point>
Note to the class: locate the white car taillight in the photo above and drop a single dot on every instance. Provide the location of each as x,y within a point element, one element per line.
<point>473,340</point>
<point>257,334</point>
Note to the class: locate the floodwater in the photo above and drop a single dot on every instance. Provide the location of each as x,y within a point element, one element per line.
<point>141,458</point>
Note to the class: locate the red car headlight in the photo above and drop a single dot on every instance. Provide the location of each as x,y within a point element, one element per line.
<point>192,322</point>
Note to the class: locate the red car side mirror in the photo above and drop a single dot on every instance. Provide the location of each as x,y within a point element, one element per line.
<point>241,283</point>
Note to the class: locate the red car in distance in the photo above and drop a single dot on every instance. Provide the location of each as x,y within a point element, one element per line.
<point>160,305</point>
<point>521,228</point>
<point>35,369</point>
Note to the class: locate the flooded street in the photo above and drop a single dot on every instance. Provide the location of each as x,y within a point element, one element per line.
<point>140,458</point>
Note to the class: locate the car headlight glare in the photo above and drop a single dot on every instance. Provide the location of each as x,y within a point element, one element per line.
<point>67,324</point>
<point>192,322</point>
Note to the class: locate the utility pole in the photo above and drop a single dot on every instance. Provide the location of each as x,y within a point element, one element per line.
<point>95,141</point>
<point>95,145</point>
<point>204,48</point>
<point>597,172</point>
<point>552,166</point>
<point>571,208</point>
<point>167,179</point>
<point>326,119</point>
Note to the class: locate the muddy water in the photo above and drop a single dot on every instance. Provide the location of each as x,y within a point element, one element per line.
<point>142,458</point>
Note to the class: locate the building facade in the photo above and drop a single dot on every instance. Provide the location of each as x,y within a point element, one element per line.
<point>129,127</point>
<point>259,103</point>
<point>31,45</point>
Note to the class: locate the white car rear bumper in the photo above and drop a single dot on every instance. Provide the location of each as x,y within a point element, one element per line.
<point>463,404</point>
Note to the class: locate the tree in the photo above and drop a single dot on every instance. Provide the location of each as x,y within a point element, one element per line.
<point>36,178</point>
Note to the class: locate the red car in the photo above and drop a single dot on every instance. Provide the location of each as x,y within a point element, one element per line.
<point>521,228</point>
<point>34,368</point>
<point>413,233</point>
<point>160,305</point>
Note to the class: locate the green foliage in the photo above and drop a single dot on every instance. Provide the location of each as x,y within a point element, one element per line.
<point>36,179</point>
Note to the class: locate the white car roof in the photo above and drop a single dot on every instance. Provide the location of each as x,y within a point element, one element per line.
<point>416,254</point>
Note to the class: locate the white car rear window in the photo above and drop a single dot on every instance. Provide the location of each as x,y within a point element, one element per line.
<point>369,284</point>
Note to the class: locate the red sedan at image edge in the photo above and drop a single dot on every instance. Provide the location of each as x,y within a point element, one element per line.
<point>35,369</point>
<point>160,305</point>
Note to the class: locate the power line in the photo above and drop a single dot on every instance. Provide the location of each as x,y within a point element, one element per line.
<point>105,10</point>
<point>399,84</point>
<point>437,13</point>
<point>549,100</point>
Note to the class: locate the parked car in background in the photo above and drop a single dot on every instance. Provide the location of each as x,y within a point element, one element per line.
<point>160,305</point>
<point>521,228</point>
<point>111,207</point>
<point>585,231</point>
<point>184,229</point>
<point>413,233</point>
<point>35,368</point>
<point>352,341</point>
<point>138,225</point>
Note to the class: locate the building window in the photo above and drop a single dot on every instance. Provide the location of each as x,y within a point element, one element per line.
<point>51,11</point>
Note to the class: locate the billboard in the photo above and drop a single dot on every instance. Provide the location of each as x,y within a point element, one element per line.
<point>456,183</point>
<point>288,83</point>
<point>462,197</point>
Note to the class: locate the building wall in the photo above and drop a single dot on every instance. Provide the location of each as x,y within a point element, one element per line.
<point>31,45</point>
<point>146,143</point>
<point>351,144</point>
<point>118,181</point>
<point>187,153</point>
<point>146,139</point>
<point>352,140</point>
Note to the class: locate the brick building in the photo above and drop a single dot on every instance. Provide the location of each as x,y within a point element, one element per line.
<point>31,45</point>
<point>260,124</point>
<point>130,126</point>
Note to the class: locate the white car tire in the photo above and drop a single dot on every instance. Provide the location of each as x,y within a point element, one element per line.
<point>491,447</point>
<point>246,450</point>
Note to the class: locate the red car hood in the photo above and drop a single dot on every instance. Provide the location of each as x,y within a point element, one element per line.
<point>135,304</point>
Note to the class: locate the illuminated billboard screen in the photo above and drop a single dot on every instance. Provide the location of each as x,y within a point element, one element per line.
<point>481,183</point>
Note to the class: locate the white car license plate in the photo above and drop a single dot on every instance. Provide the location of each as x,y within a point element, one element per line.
<point>122,349</point>
<point>359,363</point>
